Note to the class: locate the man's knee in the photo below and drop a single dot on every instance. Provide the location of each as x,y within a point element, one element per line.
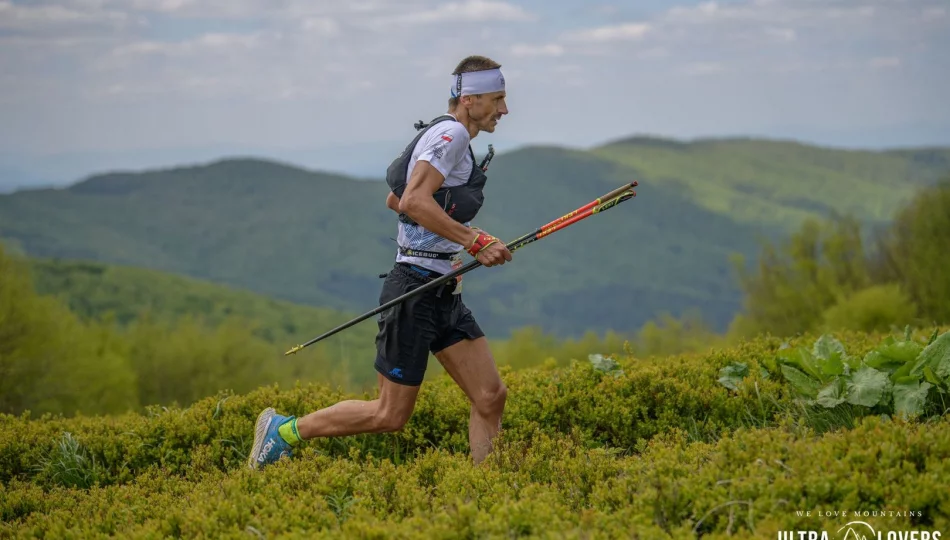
<point>491,401</point>
<point>389,420</point>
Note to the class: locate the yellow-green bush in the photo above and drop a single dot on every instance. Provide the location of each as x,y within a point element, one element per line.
<point>749,485</point>
<point>799,285</point>
<point>612,407</point>
<point>49,360</point>
<point>607,448</point>
<point>875,309</point>
<point>915,251</point>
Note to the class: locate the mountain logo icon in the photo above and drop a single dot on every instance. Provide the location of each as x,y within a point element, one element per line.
<point>855,530</point>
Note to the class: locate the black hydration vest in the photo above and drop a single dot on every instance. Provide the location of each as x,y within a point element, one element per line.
<point>461,203</point>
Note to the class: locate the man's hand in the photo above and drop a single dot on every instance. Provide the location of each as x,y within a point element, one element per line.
<point>417,203</point>
<point>494,254</point>
<point>487,249</point>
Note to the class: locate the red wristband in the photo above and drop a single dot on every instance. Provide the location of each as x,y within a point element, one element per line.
<point>482,241</point>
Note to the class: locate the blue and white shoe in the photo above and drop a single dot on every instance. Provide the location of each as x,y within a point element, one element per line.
<point>269,446</point>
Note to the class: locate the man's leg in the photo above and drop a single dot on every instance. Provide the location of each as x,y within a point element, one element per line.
<point>275,434</point>
<point>470,363</point>
<point>402,352</point>
<point>389,412</point>
<point>405,332</point>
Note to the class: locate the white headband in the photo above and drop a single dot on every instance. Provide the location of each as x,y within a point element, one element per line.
<point>477,82</point>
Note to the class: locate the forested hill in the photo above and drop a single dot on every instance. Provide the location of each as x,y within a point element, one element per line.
<point>760,181</point>
<point>322,239</point>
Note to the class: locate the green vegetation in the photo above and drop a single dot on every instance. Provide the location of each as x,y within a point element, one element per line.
<point>115,338</point>
<point>915,252</point>
<point>122,294</point>
<point>899,377</point>
<point>94,290</point>
<point>601,447</point>
<point>827,276</point>
<point>128,396</point>
<point>49,360</point>
<point>140,337</point>
<point>53,361</point>
<point>778,183</point>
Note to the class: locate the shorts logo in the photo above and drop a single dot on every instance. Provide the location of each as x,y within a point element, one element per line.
<point>396,372</point>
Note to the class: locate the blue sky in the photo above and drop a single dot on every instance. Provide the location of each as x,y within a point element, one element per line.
<point>92,84</point>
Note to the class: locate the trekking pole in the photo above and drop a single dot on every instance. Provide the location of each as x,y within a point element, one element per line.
<point>600,204</point>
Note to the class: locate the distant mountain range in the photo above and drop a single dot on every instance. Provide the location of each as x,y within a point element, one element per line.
<point>11,179</point>
<point>321,239</point>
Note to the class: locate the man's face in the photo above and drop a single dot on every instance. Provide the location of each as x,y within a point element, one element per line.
<point>487,109</point>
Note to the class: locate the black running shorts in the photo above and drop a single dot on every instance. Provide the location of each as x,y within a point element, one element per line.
<point>428,322</point>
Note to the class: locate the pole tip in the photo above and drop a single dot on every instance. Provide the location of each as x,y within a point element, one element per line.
<point>293,350</point>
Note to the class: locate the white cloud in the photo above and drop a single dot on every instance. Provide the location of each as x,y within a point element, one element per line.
<point>298,49</point>
<point>41,17</point>
<point>251,10</point>
<point>784,35</point>
<point>317,58</point>
<point>470,11</point>
<point>218,9</point>
<point>934,13</point>
<point>761,35</point>
<point>884,62</point>
<point>321,25</point>
<point>602,34</point>
<point>777,12</point>
<point>549,49</point>
<point>653,52</point>
<point>227,43</point>
<point>702,68</point>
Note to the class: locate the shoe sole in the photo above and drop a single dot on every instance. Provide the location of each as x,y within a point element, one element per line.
<point>260,432</point>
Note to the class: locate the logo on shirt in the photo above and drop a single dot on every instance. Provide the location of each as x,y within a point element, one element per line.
<point>447,138</point>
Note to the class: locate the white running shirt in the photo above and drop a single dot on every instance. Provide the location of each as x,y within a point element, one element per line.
<point>445,147</point>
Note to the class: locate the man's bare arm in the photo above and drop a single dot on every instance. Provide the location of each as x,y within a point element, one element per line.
<point>392,202</point>
<point>417,202</point>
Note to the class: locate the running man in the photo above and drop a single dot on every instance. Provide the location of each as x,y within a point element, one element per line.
<point>436,188</point>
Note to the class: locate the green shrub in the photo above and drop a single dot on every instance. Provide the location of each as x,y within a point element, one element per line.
<point>898,377</point>
<point>611,401</point>
<point>915,252</point>
<point>750,484</point>
<point>875,309</point>
<point>52,362</point>
<point>671,447</point>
